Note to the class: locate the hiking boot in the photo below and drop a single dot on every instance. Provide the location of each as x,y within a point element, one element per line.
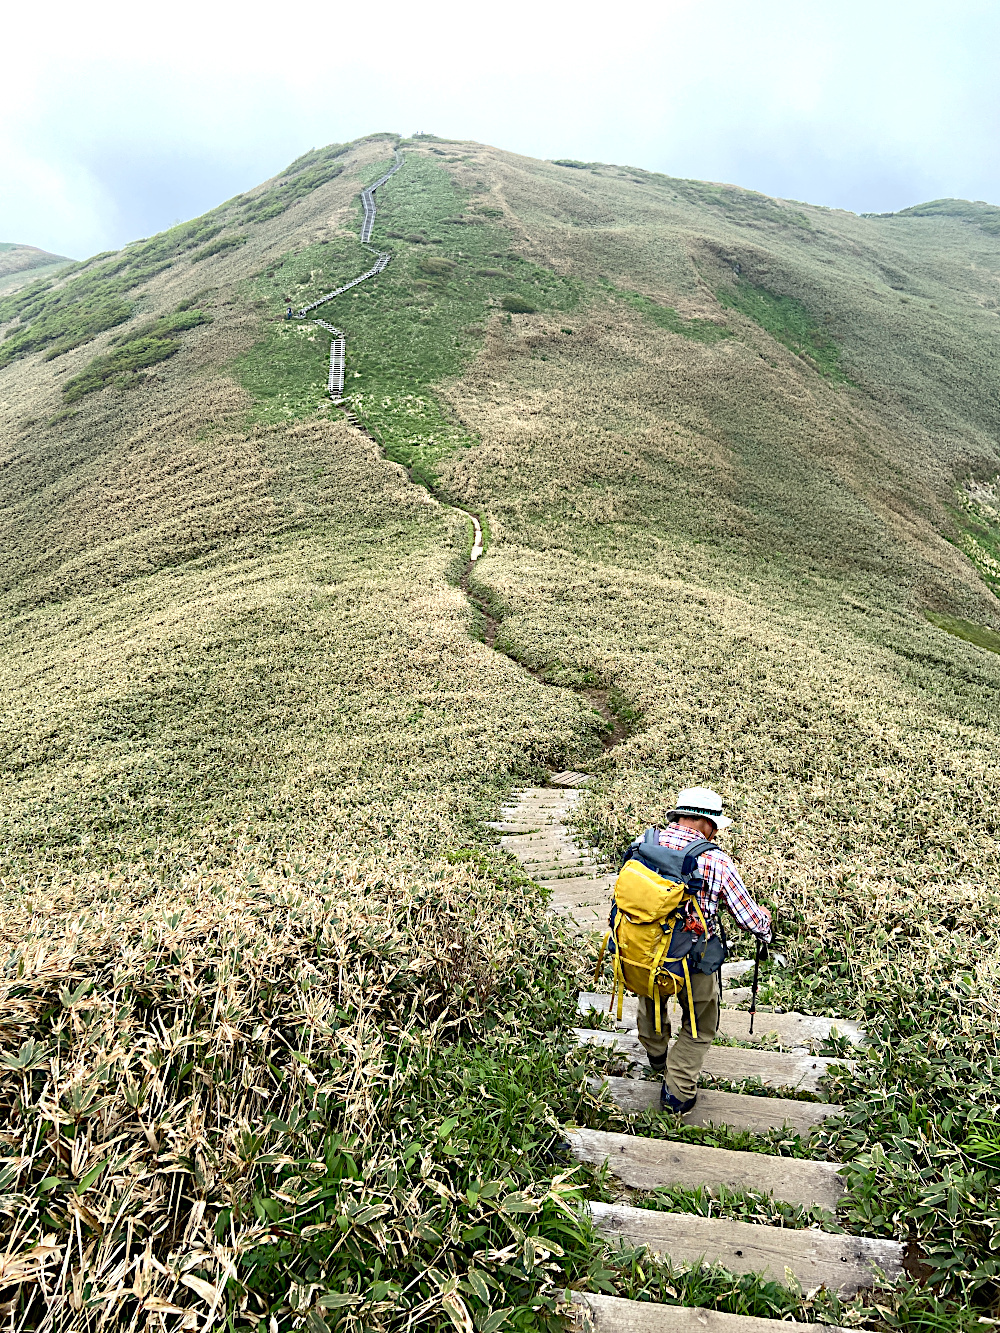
<point>668,1102</point>
<point>657,1063</point>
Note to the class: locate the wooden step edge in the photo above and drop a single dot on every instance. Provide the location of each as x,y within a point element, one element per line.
<point>650,1164</point>
<point>792,1028</point>
<point>565,858</point>
<point>589,1312</point>
<point>592,884</point>
<point>579,900</point>
<point>581,874</point>
<point>845,1264</point>
<point>776,1069</point>
<point>735,1110</point>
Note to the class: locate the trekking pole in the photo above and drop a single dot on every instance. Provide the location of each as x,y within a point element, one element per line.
<point>756,978</point>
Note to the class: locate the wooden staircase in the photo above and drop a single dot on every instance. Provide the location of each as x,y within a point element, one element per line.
<point>536,829</point>
<point>610,1314</point>
<point>537,834</point>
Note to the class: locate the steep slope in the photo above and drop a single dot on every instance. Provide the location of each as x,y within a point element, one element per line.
<point>731,453</point>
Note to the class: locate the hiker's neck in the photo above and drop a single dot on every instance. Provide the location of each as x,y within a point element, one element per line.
<point>703,826</point>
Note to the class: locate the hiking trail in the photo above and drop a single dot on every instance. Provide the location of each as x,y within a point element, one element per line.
<point>537,828</point>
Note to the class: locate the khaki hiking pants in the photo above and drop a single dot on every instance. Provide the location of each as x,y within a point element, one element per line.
<point>686,1054</point>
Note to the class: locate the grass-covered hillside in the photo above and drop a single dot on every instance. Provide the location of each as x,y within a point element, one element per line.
<point>21,264</point>
<point>285,1033</point>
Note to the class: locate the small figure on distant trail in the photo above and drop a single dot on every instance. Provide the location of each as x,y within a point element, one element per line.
<point>665,937</point>
<point>288,312</point>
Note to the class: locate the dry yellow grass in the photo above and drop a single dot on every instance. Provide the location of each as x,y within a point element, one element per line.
<point>203,1031</point>
<point>258,683</point>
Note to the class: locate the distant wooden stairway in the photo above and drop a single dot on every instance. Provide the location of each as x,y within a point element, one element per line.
<point>535,828</point>
<point>338,346</point>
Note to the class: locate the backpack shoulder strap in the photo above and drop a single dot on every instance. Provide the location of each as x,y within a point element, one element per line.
<point>636,844</point>
<point>695,849</point>
<point>700,846</point>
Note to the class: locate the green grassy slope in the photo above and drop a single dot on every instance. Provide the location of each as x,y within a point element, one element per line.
<point>451,262</point>
<point>738,463</point>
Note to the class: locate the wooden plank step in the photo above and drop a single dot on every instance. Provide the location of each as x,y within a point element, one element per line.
<point>792,1029</point>
<point>588,887</point>
<point>584,894</point>
<point>550,812</point>
<point>775,1069</point>
<point>594,1313</point>
<point>537,844</point>
<point>548,866</point>
<point>552,800</point>
<point>555,875</point>
<point>555,863</point>
<point>570,779</point>
<point>845,1264</point>
<point>550,848</point>
<point>518,793</point>
<point>545,796</point>
<point>555,838</point>
<point>552,874</point>
<point>547,839</point>
<point>581,918</point>
<point>735,1109</point>
<point>535,808</point>
<point>559,801</point>
<point>551,824</point>
<point>647,1164</point>
<point>739,968</point>
<point>558,882</point>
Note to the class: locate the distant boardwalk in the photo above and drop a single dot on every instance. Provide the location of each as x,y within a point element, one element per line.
<point>338,347</point>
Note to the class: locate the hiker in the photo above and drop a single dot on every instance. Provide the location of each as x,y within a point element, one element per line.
<point>710,879</point>
<point>288,312</point>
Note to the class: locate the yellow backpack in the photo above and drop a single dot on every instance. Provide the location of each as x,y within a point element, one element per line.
<point>657,932</point>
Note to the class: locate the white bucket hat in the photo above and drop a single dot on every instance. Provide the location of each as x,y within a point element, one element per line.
<point>700,802</point>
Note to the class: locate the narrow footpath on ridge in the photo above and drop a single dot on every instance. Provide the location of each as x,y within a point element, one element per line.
<point>538,829</point>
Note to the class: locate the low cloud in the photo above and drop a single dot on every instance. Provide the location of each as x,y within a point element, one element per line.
<point>124,120</point>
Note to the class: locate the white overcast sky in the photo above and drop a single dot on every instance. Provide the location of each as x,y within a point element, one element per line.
<point>118,119</point>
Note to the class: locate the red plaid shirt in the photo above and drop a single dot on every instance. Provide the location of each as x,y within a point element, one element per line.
<point>723,882</point>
